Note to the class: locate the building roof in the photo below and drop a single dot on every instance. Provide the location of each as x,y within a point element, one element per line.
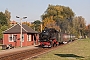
<point>17,29</point>
<point>13,22</point>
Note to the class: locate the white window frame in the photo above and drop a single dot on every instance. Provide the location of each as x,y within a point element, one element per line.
<point>29,37</point>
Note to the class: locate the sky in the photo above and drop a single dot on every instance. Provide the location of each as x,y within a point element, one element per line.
<point>33,9</point>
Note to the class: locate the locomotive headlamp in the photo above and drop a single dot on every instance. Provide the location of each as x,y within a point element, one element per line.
<point>44,31</point>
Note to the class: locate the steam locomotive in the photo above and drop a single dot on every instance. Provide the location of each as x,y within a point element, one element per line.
<point>50,37</point>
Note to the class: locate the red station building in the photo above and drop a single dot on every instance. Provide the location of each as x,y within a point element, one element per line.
<point>12,36</point>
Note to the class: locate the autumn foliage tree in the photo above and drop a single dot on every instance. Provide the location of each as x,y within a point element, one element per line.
<point>87,30</point>
<point>27,23</point>
<point>60,14</point>
<point>79,25</point>
<point>50,23</point>
<point>64,18</point>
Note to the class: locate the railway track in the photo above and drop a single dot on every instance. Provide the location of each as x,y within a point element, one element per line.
<point>20,55</point>
<point>26,54</point>
<point>23,54</point>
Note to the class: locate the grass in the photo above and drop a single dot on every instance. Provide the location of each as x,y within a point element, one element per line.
<point>77,50</point>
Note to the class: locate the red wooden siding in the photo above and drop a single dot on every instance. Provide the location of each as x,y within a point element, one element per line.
<point>17,43</point>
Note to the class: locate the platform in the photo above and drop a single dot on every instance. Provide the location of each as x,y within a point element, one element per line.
<point>2,52</point>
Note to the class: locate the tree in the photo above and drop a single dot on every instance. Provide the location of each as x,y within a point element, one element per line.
<point>27,23</point>
<point>3,20</point>
<point>50,23</point>
<point>87,30</point>
<point>60,15</point>
<point>36,25</point>
<point>2,28</point>
<point>8,16</point>
<point>80,25</point>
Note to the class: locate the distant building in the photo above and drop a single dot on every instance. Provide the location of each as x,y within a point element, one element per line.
<point>13,23</point>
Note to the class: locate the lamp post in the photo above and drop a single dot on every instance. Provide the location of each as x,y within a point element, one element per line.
<point>21,29</point>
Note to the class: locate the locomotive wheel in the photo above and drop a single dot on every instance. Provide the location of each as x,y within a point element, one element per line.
<point>42,45</point>
<point>54,45</point>
<point>51,45</point>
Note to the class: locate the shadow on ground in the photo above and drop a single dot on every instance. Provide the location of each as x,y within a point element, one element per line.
<point>69,55</point>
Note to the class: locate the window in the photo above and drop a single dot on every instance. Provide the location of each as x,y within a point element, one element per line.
<point>11,38</point>
<point>29,37</point>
